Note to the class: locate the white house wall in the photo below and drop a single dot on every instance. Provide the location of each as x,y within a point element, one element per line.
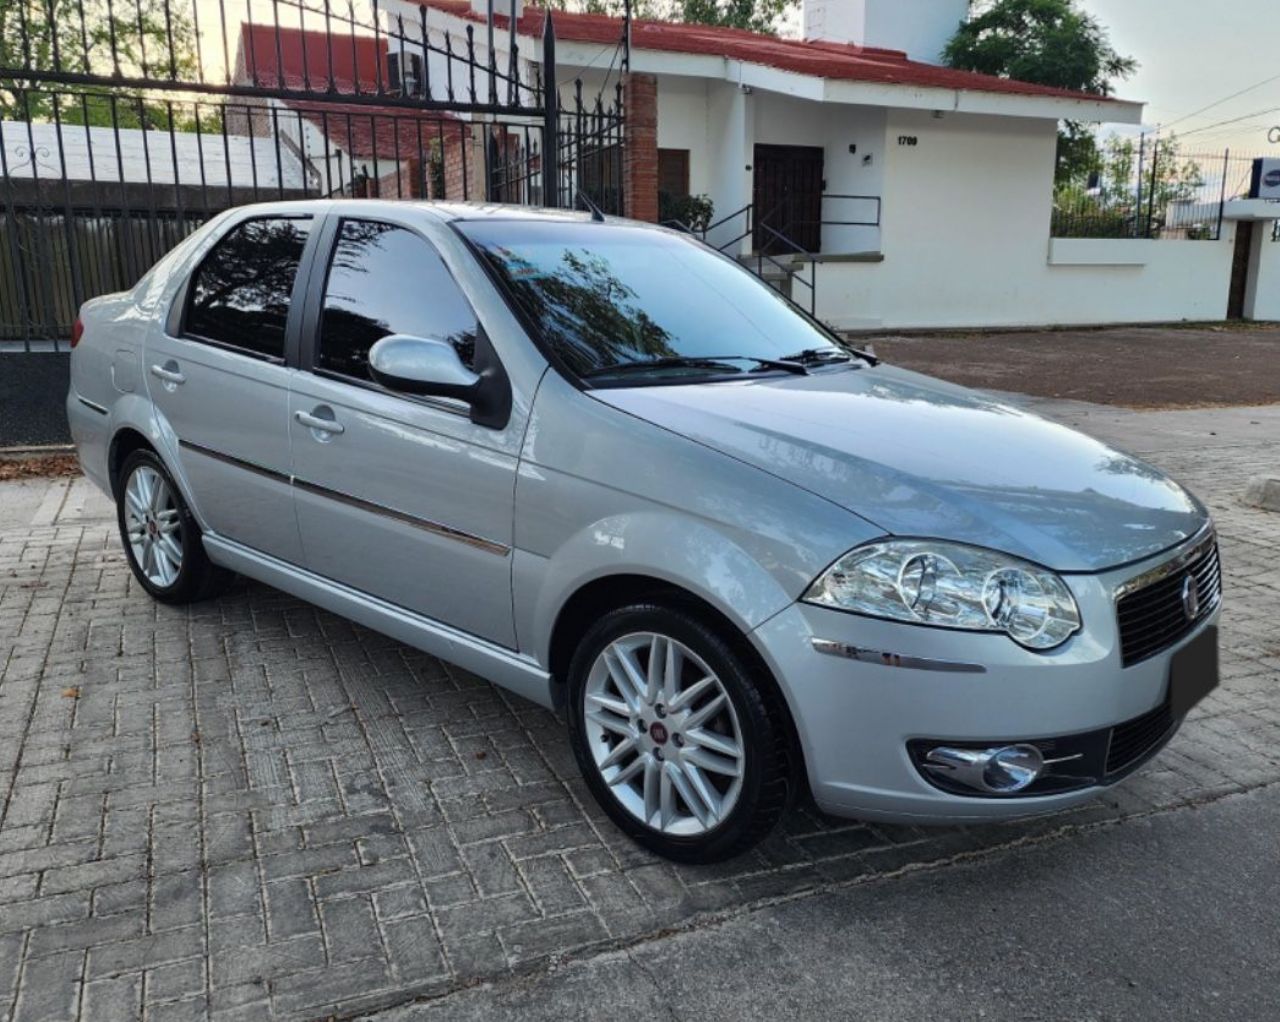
<point>782,120</point>
<point>965,239</point>
<point>683,123</point>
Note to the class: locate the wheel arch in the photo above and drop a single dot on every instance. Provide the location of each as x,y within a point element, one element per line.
<point>607,593</point>
<point>124,442</point>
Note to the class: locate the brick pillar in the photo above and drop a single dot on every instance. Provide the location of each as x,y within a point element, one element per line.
<point>640,152</point>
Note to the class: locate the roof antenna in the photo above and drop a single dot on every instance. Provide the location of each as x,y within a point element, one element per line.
<point>597,215</point>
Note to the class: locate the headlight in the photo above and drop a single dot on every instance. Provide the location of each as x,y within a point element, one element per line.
<point>951,586</point>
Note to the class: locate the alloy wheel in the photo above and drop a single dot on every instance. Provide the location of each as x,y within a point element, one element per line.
<point>154,526</point>
<point>664,734</point>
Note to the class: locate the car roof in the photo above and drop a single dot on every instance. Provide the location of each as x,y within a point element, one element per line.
<point>443,210</point>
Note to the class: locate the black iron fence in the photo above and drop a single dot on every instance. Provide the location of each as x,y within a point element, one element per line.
<point>1150,188</point>
<point>125,124</point>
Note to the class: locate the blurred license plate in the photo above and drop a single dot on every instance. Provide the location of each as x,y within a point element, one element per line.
<point>1193,672</point>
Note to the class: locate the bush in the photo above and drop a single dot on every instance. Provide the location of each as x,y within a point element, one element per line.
<point>693,211</point>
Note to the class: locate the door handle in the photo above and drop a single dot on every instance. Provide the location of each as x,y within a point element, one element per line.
<point>319,424</point>
<point>168,375</point>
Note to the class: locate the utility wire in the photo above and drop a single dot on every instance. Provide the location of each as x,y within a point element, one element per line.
<point>1225,99</point>
<point>1234,120</point>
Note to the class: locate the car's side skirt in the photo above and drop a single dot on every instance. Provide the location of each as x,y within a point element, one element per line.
<point>515,671</point>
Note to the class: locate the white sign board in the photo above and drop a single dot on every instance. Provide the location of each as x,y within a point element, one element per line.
<point>1266,179</point>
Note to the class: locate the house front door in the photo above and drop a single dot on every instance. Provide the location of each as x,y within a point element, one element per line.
<point>787,194</point>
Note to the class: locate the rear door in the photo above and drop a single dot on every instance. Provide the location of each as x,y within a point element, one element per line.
<point>404,498</point>
<point>218,379</point>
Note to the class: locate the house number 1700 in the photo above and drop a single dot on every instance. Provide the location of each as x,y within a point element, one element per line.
<point>908,140</point>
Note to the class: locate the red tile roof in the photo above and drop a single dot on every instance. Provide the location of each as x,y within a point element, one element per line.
<point>271,60</point>
<point>817,59</point>
<point>289,58</point>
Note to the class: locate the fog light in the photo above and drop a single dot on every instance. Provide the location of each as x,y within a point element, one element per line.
<point>1003,770</point>
<point>1013,768</point>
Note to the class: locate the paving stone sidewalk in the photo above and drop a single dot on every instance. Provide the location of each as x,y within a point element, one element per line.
<point>253,809</point>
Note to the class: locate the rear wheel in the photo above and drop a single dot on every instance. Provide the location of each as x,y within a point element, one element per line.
<point>673,731</point>
<point>161,537</point>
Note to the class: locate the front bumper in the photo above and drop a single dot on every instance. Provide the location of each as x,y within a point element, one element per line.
<point>858,718</point>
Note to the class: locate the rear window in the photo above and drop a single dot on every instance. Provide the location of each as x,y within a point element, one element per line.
<point>241,293</point>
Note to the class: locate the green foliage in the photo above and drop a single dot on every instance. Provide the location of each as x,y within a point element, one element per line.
<point>145,38</point>
<point>1118,205</point>
<point>1048,42</point>
<point>754,15</point>
<point>694,211</point>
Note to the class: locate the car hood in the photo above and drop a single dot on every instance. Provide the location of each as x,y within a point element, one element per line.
<point>918,457</point>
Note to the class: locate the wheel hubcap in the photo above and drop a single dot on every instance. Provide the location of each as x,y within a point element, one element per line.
<point>153,525</point>
<point>664,734</point>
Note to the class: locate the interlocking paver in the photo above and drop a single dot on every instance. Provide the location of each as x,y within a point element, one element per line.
<point>251,808</point>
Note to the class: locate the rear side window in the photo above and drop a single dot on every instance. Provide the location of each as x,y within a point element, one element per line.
<point>386,280</point>
<point>240,294</point>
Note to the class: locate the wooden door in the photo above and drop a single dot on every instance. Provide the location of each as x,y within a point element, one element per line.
<point>787,194</point>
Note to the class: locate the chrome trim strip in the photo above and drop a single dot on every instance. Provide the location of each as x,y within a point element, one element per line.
<point>832,647</point>
<point>228,459</point>
<point>435,528</point>
<point>1204,538</point>
<point>93,405</point>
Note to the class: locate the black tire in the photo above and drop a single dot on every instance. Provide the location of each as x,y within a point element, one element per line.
<point>197,577</point>
<point>766,782</point>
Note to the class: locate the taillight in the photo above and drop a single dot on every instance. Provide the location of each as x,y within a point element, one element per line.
<point>77,331</point>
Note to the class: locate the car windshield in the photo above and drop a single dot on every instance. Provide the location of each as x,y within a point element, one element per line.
<point>616,303</point>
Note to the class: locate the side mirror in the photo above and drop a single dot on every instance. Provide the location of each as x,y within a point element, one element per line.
<point>430,367</point>
<point>421,365</point>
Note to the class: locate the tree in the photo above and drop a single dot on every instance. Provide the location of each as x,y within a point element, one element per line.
<point>753,15</point>
<point>144,38</point>
<point>1048,42</point>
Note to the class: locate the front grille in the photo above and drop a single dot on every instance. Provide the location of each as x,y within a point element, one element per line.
<point>1134,740</point>
<point>1153,616</point>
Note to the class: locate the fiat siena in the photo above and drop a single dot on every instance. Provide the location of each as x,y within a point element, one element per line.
<point>600,464</point>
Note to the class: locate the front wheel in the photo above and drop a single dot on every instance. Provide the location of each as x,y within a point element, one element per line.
<point>161,537</point>
<point>675,734</point>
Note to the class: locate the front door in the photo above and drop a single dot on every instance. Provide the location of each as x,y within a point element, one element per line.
<point>787,198</point>
<point>400,497</point>
<point>217,377</point>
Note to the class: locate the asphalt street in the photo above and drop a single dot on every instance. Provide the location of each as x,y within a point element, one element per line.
<point>1175,915</point>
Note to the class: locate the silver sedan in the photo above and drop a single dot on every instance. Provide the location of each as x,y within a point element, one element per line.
<point>603,466</point>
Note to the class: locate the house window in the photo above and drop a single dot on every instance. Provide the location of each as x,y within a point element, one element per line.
<point>673,171</point>
<point>600,176</point>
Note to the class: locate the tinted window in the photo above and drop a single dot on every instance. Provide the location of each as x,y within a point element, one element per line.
<point>387,280</point>
<point>606,295</point>
<point>241,293</point>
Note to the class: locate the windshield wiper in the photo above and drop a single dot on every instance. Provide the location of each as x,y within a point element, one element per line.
<point>700,362</point>
<point>827,356</point>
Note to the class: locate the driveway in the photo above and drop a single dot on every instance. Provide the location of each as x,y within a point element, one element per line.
<point>1138,367</point>
<point>253,809</point>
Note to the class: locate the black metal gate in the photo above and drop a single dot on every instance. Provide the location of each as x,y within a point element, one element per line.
<point>125,124</point>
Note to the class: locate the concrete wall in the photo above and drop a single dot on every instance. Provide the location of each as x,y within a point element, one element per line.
<point>1262,299</point>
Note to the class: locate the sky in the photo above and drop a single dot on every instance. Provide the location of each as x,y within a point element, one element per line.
<point>1194,53</point>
